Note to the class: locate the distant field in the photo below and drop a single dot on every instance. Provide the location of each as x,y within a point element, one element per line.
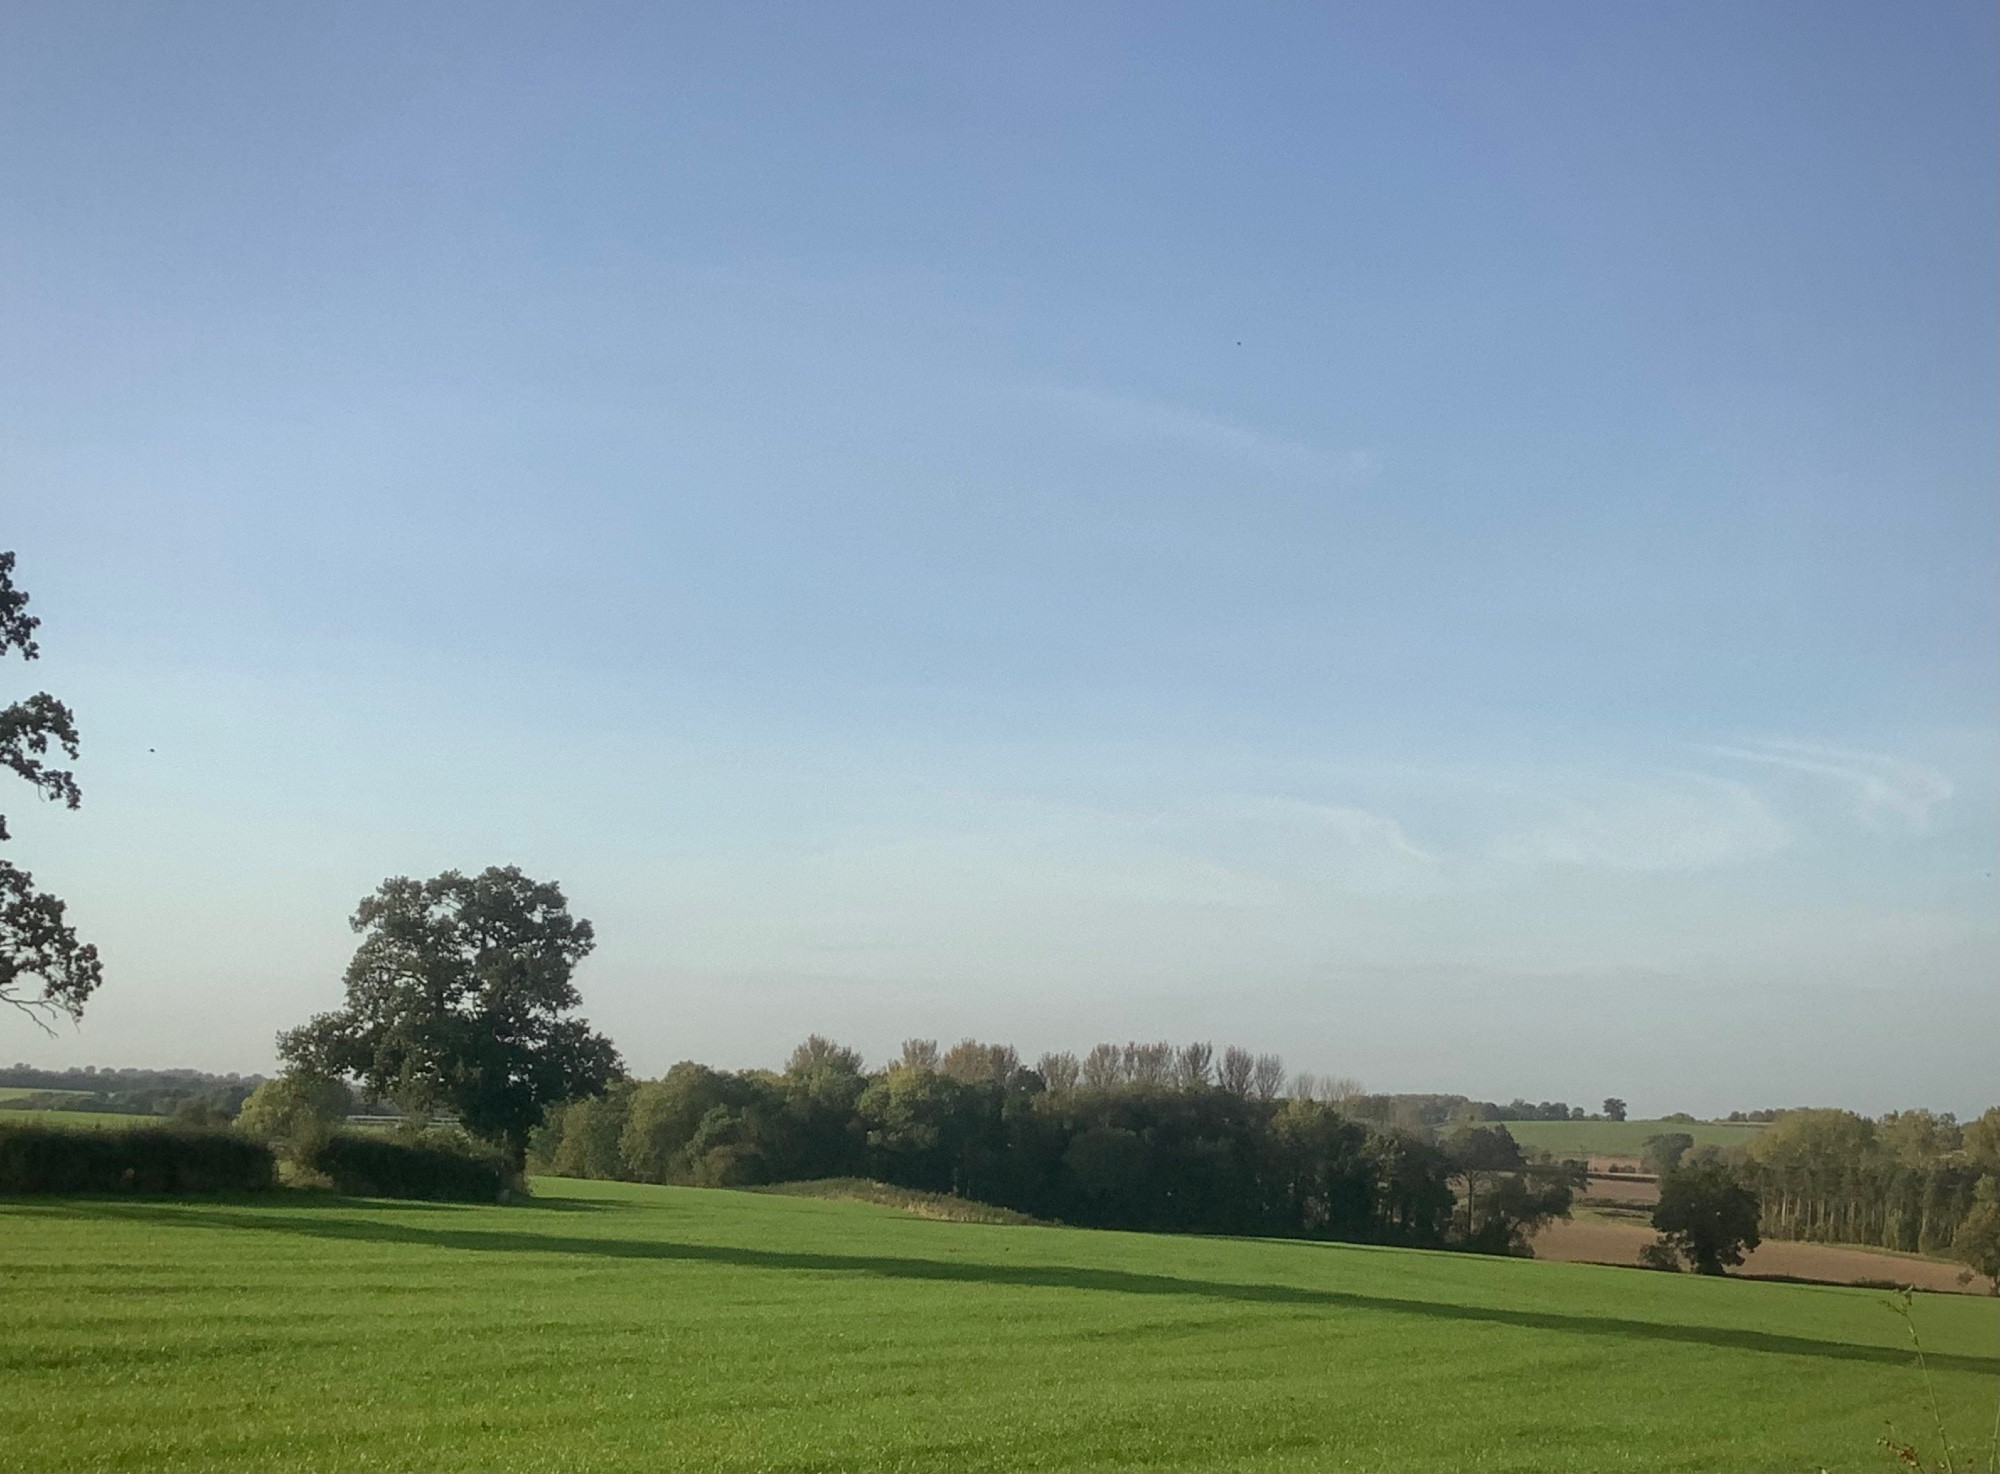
<point>1620,1138</point>
<point>21,1092</point>
<point>76,1118</point>
<point>1598,1236</point>
<point>610,1326</point>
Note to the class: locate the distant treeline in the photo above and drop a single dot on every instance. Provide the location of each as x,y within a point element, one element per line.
<point>1140,1136</point>
<point>1913,1180</point>
<point>1430,1112</point>
<point>127,1092</point>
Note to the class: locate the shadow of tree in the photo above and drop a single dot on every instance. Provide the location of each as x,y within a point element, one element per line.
<point>1056,1277</point>
<point>311,1200</point>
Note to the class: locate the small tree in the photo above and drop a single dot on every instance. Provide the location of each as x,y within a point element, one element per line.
<point>1663,1153</point>
<point>35,941</point>
<point>295,1113</point>
<point>1614,1108</point>
<point>456,1000</point>
<point>1708,1216</point>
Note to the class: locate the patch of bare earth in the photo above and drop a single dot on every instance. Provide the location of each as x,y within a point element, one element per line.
<point>1624,1188</point>
<point>1593,1239</point>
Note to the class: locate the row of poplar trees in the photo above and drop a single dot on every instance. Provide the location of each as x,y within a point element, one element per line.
<point>1914,1180</point>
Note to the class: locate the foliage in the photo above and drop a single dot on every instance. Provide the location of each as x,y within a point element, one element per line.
<point>145,1159</point>
<point>457,1000</point>
<point>1663,1153</point>
<point>1506,1196</point>
<point>1169,1143</point>
<point>1521,1110</point>
<point>1907,1182</point>
<point>1707,1216</point>
<point>439,1171</point>
<point>1976,1243</point>
<point>620,1326</point>
<point>36,942</point>
<point>1614,1108</point>
<point>294,1113</point>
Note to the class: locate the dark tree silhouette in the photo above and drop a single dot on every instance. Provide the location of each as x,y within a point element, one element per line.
<point>36,943</point>
<point>1707,1215</point>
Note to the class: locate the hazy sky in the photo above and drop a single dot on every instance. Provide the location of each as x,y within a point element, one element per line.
<point>1453,543</point>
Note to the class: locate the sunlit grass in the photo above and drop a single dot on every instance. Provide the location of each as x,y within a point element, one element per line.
<point>616,1327</point>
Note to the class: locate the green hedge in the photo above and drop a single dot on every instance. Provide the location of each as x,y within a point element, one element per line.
<point>372,1167</point>
<point>140,1159</point>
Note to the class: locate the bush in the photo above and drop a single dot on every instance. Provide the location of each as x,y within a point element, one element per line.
<point>375,1167</point>
<point>295,1112</point>
<point>143,1159</point>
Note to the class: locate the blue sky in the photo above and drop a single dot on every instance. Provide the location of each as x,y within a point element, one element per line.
<point>1455,543</point>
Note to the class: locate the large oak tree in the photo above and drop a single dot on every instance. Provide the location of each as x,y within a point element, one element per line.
<point>458,999</point>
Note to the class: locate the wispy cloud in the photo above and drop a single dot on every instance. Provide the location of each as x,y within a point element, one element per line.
<point>1882,789</point>
<point>1356,827</point>
<point>1679,822</point>
<point>1130,417</point>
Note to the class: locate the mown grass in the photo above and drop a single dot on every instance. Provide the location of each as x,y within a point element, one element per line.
<point>609,1326</point>
<point>1622,1138</point>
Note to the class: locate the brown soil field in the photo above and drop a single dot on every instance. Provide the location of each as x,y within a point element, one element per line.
<point>1591,1239</point>
<point>1623,1189</point>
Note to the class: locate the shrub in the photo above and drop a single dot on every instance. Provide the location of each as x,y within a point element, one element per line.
<point>295,1111</point>
<point>375,1167</point>
<point>142,1159</point>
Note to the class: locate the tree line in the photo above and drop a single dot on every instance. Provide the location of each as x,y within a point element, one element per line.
<point>1138,1136</point>
<point>1917,1181</point>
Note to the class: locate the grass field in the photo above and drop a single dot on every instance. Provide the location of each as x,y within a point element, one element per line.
<point>77,1119</point>
<point>610,1326</point>
<point>1621,1138</point>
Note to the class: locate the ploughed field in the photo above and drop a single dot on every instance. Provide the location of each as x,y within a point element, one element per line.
<point>610,1326</point>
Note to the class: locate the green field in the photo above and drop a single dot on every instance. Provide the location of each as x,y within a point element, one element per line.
<point>1621,1138</point>
<point>77,1119</point>
<point>609,1326</point>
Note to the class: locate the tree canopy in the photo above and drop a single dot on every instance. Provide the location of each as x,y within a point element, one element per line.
<point>1706,1215</point>
<point>1135,1135</point>
<point>36,942</point>
<point>459,999</point>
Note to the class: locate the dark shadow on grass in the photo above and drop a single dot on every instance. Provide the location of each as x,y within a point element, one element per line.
<point>316,1200</point>
<point>1103,1281</point>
